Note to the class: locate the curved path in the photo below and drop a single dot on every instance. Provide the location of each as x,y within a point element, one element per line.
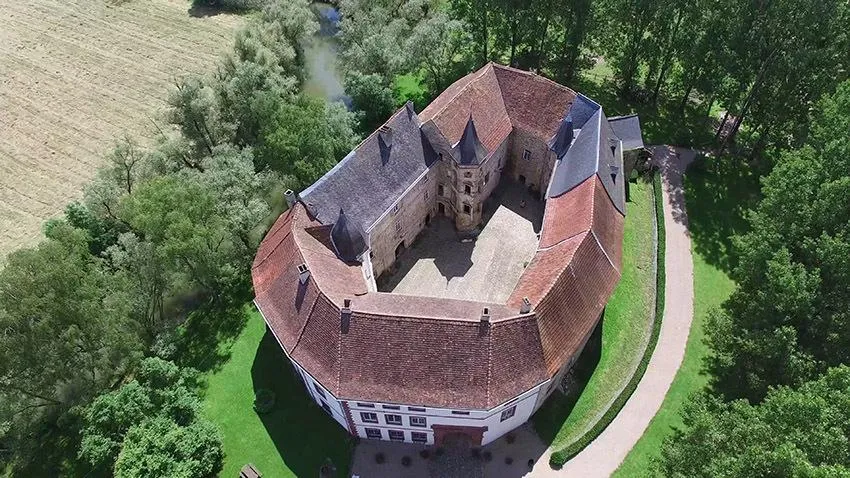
<point>602,457</point>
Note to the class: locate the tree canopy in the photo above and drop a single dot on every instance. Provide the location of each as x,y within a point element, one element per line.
<point>792,433</point>
<point>788,318</point>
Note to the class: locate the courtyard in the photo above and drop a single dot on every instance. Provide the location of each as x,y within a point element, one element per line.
<point>443,263</point>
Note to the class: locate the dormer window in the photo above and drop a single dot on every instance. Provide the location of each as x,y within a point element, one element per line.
<point>303,273</point>
<point>467,189</point>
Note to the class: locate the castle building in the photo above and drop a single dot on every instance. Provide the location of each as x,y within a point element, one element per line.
<point>419,369</point>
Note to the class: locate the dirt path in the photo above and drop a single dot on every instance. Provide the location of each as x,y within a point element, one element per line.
<point>602,457</point>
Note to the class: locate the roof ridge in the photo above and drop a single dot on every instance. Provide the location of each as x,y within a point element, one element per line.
<point>417,318</point>
<point>583,231</point>
<point>602,248</point>
<point>478,74</point>
<point>534,75</point>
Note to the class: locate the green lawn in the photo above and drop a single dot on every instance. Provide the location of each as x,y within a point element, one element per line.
<point>625,331</point>
<point>295,438</point>
<point>716,193</point>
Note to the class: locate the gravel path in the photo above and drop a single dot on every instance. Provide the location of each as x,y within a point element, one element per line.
<point>602,457</point>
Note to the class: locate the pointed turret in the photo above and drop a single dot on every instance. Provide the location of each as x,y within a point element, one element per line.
<point>469,149</point>
<point>347,238</point>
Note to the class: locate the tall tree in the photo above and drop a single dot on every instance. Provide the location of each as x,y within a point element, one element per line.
<point>789,315</point>
<point>793,433</point>
<point>64,337</point>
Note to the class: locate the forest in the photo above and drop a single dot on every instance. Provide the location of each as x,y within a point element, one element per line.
<point>95,373</point>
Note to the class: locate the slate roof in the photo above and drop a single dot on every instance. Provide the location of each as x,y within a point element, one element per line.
<point>469,149</point>
<point>436,352</point>
<point>595,151</point>
<point>373,176</point>
<point>627,128</point>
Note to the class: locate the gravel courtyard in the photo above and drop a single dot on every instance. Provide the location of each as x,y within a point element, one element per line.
<point>486,269</point>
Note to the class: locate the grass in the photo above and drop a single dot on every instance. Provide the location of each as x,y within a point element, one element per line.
<point>716,199</point>
<point>295,438</point>
<point>411,86</point>
<point>625,329</point>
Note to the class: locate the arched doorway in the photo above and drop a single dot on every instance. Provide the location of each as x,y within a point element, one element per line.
<point>441,209</point>
<point>399,249</point>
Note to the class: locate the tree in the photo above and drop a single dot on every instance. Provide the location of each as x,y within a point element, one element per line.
<point>307,137</point>
<point>371,98</point>
<point>799,433</point>
<point>160,447</point>
<point>438,43</point>
<point>787,319</point>
<point>64,337</point>
<point>162,397</point>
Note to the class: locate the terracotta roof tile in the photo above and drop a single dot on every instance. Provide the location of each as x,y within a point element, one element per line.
<point>568,214</point>
<point>608,224</point>
<point>534,103</point>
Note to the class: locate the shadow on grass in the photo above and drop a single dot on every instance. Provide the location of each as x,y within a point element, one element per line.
<point>203,341</point>
<point>551,416</point>
<point>304,435</point>
<point>662,123</point>
<point>718,192</point>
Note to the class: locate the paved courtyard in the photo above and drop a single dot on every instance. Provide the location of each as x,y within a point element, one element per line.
<point>440,264</point>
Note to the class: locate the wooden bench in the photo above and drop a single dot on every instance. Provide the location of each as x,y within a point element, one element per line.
<point>249,471</point>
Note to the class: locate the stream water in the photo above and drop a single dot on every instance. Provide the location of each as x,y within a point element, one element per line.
<point>323,77</point>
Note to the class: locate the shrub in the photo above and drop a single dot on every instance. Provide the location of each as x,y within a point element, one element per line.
<point>406,461</point>
<point>559,457</point>
<point>264,401</point>
<point>380,458</point>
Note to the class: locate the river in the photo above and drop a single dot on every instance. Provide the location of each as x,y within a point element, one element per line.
<point>323,76</point>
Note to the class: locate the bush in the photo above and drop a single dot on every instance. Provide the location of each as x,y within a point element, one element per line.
<point>380,458</point>
<point>264,401</point>
<point>559,457</point>
<point>406,461</point>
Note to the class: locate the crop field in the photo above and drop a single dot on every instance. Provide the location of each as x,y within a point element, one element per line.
<point>76,75</point>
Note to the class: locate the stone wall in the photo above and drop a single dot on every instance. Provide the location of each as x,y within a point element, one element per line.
<point>534,171</point>
<point>400,225</point>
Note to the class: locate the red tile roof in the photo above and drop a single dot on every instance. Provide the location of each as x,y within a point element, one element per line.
<point>436,352</point>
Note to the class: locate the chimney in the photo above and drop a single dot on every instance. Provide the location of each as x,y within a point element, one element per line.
<point>484,324</point>
<point>303,273</point>
<point>345,316</point>
<point>526,306</point>
<point>291,197</point>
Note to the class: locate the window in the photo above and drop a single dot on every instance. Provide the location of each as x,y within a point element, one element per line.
<point>396,435</point>
<point>373,433</point>
<point>458,412</point>
<point>467,209</point>
<point>418,422</point>
<point>391,419</point>
<point>526,155</point>
<point>391,407</point>
<point>486,178</point>
<point>467,174</point>
<point>508,413</point>
<point>419,437</point>
<point>416,409</point>
<point>366,405</point>
<point>395,208</point>
<point>425,180</point>
<point>467,189</point>
<point>426,194</point>
<point>327,408</point>
<point>319,390</point>
<point>369,417</point>
<point>440,191</point>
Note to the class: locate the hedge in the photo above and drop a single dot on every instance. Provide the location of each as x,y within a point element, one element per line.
<point>559,457</point>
